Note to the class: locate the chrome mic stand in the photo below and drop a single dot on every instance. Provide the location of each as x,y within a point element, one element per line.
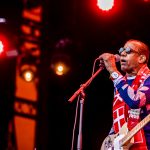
<point>79,142</point>
<point>81,93</point>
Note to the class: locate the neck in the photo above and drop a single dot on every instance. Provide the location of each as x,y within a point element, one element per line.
<point>128,74</point>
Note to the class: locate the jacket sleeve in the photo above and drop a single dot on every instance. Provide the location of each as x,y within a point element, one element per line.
<point>134,98</point>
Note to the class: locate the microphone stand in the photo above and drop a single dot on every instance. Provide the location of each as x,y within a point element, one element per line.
<point>79,141</point>
<point>80,92</point>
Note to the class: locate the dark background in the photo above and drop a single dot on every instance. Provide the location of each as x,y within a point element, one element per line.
<point>87,32</point>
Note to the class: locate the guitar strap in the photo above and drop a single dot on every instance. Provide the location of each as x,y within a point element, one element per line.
<point>122,113</point>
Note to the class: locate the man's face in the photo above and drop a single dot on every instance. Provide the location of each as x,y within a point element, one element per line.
<point>129,59</point>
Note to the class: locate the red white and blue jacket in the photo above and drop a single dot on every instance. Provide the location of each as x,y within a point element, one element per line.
<point>132,104</point>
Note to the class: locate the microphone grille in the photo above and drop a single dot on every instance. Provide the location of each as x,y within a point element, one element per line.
<point>117,57</point>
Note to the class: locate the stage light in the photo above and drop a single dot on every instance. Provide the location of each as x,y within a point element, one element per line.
<point>60,64</point>
<point>2,20</point>
<point>1,47</point>
<point>28,75</point>
<point>105,5</point>
<point>4,44</point>
<point>7,53</point>
<point>60,69</point>
<point>28,72</point>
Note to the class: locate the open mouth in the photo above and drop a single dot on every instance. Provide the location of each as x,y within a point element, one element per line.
<point>123,61</point>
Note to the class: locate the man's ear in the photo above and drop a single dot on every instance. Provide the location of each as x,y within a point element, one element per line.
<point>142,59</point>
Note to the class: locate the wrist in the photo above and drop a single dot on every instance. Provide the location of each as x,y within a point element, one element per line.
<point>115,75</point>
<point>112,69</point>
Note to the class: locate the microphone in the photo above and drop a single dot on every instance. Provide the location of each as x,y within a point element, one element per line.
<point>117,58</point>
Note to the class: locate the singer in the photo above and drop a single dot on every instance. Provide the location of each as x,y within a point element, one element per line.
<point>131,104</point>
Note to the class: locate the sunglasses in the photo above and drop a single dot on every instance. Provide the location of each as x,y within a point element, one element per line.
<point>128,50</point>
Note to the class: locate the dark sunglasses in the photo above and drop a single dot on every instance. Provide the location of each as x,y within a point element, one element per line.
<point>128,50</point>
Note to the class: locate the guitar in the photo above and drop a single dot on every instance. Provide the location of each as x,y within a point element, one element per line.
<point>124,138</point>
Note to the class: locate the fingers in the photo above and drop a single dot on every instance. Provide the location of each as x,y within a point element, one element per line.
<point>101,63</point>
<point>106,57</point>
<point>107,60</point>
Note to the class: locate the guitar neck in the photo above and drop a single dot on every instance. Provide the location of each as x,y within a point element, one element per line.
<point>131,133</point>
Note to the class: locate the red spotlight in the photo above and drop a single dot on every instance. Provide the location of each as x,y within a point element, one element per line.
<point>3,44</point>
<point>6,47</point>
<point>105,5</point>
<point>1,47</point>
<point>108,9</point>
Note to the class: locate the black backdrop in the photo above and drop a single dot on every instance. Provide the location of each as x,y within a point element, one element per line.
<point>90,33</point>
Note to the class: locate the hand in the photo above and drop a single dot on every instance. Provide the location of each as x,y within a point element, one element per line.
<point>109,61</point>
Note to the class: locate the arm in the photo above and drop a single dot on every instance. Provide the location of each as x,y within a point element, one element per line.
<point>133,98</point>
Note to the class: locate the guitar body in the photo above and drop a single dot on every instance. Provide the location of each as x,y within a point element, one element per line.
<point>111,142</point>
<point>108,142</point>
<point>124,139</point>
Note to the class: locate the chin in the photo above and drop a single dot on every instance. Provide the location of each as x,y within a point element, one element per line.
<point>124,69</point>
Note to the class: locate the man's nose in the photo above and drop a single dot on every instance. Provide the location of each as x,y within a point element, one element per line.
<point>123,53</point>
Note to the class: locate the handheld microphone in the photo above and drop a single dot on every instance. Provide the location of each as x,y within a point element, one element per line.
<point>117,57</point>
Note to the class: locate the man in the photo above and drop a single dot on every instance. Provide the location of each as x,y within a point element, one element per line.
<point>132,91</point>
